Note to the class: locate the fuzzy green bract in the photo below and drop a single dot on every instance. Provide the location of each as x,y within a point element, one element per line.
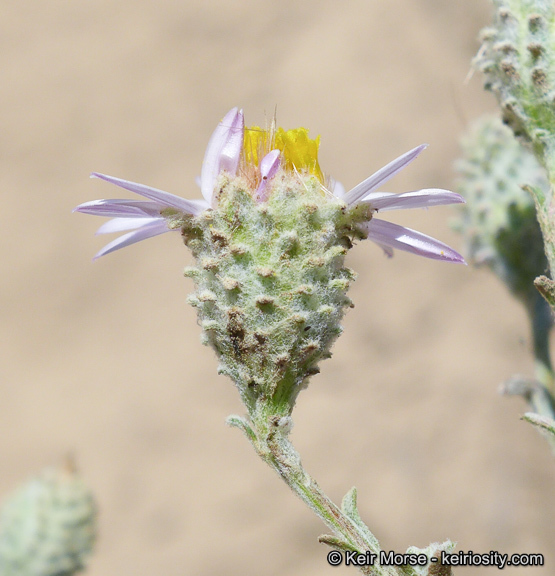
<point>499,221</point>
<point>271,283</point>
<point>517,59</point>
<point>48,526</point>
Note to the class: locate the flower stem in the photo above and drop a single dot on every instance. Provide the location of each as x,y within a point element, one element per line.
<point>542,397</point>
<point>542,322</point>
<point>545,210</point>
<point>272,445</point>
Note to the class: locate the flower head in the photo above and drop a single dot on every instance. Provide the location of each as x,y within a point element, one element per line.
<point>258,155</point>
<point>499,225</point>
<point>269,238</point>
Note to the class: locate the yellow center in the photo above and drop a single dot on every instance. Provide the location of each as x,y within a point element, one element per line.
<point>298,151</point>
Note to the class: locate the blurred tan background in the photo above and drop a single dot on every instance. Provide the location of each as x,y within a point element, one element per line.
<point>104,359</point>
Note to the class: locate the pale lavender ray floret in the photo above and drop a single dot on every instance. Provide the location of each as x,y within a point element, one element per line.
<point>388,235</point>
<point>380,177</point>
<point>383,201</point>
<point>144,218</point>
<point>336,188</point>
<point>223,151</point>
<point>151,218</point>
<point>269,165</point>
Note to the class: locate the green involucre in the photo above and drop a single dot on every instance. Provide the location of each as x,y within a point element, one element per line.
<point>499,219</point>
<point>271,283</point>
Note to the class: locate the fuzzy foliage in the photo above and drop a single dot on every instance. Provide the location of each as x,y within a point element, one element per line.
<point>435,568</point>
<point>519,63</point>
<point>271,282</point>
<point>499,219</point>
<point>47,527</point>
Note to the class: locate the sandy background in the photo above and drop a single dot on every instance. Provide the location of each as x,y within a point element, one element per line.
<point>104,359</point>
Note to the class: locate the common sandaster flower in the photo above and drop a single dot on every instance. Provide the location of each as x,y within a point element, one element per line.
<point>258,155</point>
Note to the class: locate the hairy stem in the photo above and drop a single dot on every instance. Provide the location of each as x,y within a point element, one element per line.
<point>350,533</point>
<point>542,400</point>
<point>541,321</point>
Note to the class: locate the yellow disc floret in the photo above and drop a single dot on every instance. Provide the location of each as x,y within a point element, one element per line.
<point>256,144</point>
<point>299,152</point>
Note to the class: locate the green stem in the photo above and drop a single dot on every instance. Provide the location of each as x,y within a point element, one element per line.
<point>277,451</point>
<point>280,454</point>
<point>541,395</point>
<point>542,322</point>
<point>545,209</point>
<point>546,218</point>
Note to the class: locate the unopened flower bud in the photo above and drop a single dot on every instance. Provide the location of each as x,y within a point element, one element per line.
<point>499,221</point>
<point>47,527</point>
